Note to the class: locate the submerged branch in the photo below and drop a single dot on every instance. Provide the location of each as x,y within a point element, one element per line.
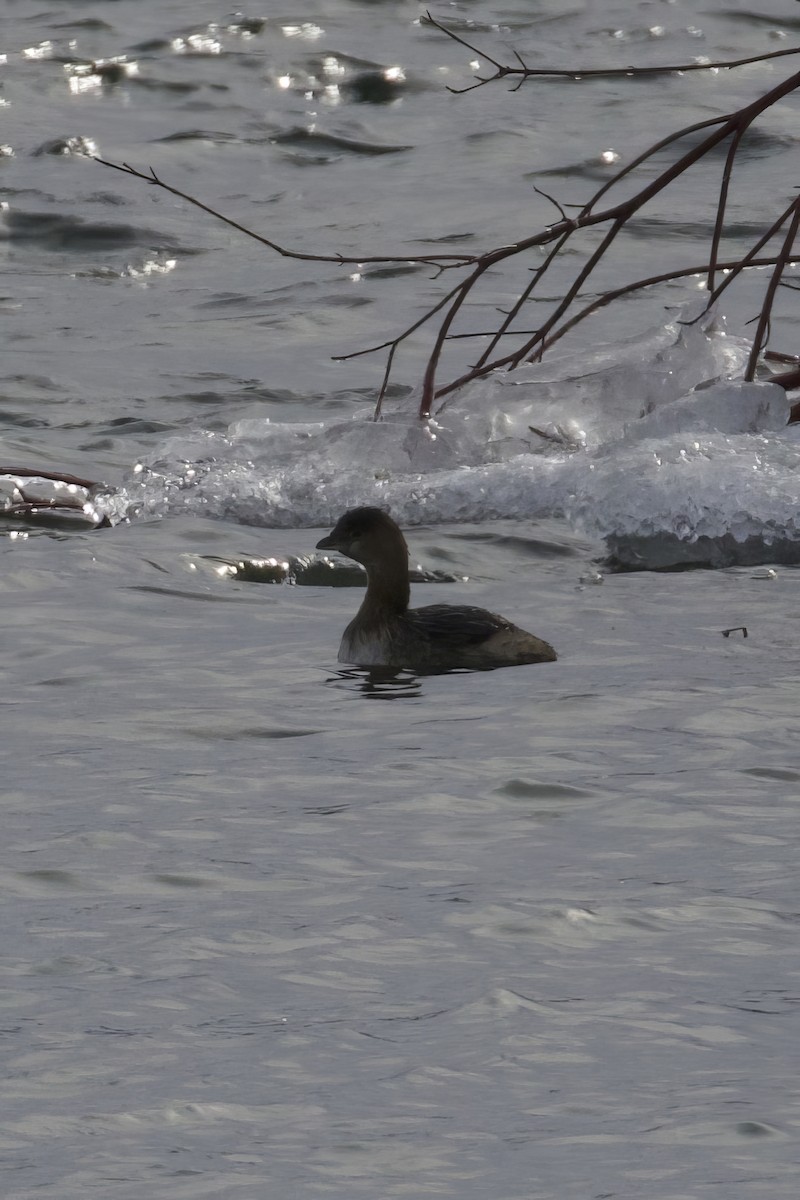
<point>54,476</point>
<point>25,501</point>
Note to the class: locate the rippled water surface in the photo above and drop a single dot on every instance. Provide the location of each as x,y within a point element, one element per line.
<point>277,927</point>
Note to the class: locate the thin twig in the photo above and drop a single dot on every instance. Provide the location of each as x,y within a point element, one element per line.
<point>749,260</point>
<point>618,215</point>
<point>429,380</point>
<point>521,300</point>
<point>503,71</point>
<point>766,311</point>
<point>609,297</point>
<point>531,344</point>
<point>721,205</point>
<point>154,180</point>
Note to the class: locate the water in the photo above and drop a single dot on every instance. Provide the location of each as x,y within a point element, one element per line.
<point>276,927</point>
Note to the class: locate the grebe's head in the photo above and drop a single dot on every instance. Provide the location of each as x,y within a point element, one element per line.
<point>369,535</point>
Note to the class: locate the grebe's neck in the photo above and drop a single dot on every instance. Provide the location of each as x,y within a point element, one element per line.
<point>388,590</point>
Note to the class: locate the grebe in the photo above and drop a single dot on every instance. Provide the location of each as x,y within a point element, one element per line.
<point>440,637</point>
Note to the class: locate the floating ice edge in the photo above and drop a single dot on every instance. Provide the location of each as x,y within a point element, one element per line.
<point>650,444</point>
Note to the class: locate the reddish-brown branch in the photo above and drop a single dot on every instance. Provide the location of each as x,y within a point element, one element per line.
<point>766,310</point>
<point>24,503</point>
<point>719,222</point>
<point>749,260</point>
<point>618,215</point>
<point>609,297</point>
<point>521,300</point>
<point>446,310</point>
<point>54,476</point>
<point>429,381</point>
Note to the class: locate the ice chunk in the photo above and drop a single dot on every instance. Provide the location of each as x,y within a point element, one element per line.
<point>728,407</point>
<point>648,444</point>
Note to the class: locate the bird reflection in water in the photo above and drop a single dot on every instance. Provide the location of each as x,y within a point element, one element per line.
<point>378,683</point>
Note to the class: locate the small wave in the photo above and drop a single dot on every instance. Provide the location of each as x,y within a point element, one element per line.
<point>59,231</point>
<point>314,139</point>
<point>307,570</point>
<point>201,135</point>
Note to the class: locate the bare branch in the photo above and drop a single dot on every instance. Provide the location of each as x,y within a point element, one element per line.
<point>722,128</point>
<point>54,476</point>
<point>431,20</point>
<point>24,502</point>
<point>577,302</point>
<point>428,384</point>
<point>540,192</point>
<point>788,379</point>
<point>503,70</point>
<point>763,325</point>
<point>522,299</point>
<point>435,260</point>
<point>605,298</point>
<point>721,205</point>
<point>749,260</point>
